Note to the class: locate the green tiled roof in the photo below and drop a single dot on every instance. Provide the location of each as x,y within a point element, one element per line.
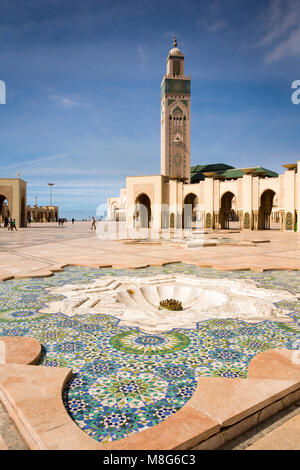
<point>226,171</point>
<point>213,167</point>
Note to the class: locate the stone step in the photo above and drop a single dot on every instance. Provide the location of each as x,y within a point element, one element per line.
<point>10,438</point>
<point>284,437</point>
<point>3,446</point>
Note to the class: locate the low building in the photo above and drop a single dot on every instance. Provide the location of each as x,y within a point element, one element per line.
<point>42,213</point>
<point>117,206</point>
<point>13,193</point>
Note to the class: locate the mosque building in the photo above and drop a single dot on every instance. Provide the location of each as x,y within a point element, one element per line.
<point>208,196</point>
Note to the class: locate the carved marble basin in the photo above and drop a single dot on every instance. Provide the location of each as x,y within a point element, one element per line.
<point>134,301</point>
<point>192,298</point>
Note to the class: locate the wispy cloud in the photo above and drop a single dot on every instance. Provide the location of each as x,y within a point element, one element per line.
<point>142,56</point>
<point>281,30</point>
<point>68,103</point>
<point>65,101</point>
<point>213,21</point>
<point>79,184</point>
<point>217,25</point>
<point>94,170</point>
<point>35,161</point>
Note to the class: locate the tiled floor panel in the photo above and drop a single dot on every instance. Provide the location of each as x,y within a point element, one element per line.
<point>125,380</point>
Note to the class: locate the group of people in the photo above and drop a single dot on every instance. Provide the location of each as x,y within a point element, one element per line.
<point>93,222</point>
<point>61,221</point>
<point>10,224</point>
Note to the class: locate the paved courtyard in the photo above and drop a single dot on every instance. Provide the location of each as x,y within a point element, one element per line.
<point>38,249</point>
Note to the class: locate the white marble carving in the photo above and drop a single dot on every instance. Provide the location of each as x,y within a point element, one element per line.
<point>135,301</point>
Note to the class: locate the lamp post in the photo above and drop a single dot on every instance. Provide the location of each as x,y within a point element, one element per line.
<point>51,184</point>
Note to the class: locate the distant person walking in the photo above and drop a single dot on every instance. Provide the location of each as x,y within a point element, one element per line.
<point>73,221</point>
<point>6,222</point>
<point>93,226</point>
<point>12,224</point>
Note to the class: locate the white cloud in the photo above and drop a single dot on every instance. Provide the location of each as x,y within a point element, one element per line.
<point>212,25</point>
<point>142,55</point>
<point>213,21</point>
<point>281,30</point>
<point>287,47</point>
<point>69,103</point>
<point>217,25</point>
<point>76,185</point>
<point>65,101</point>
<point>35,161</point>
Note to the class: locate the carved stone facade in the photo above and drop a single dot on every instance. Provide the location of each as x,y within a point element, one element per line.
<point>175,118</point>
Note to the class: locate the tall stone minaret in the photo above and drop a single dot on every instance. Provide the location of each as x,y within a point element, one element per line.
<point>176,118</point>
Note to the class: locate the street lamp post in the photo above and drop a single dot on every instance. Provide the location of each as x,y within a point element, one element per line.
<point>51,184</point>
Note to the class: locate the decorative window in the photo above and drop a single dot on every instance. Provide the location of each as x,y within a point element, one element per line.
<point>176,67</point>
<point>208,220</point>
<point>247,220</point>
<point>289,221</point>
<point>172,220</point>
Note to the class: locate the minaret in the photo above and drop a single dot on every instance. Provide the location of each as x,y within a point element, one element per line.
<point>175,118</point>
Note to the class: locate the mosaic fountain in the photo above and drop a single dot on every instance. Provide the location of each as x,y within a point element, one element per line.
<point>135,364</point>
<point>136,301</point>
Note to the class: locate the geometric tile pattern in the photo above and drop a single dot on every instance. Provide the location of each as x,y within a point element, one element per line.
<point>132,342</point>
<point>126,380</point>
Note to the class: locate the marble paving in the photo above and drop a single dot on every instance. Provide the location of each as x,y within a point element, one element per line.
<point>38,249</point>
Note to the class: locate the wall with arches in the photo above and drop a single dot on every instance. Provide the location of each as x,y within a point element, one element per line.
<point>253,210</point>
<point>116,206</point>
<point>14,191</point>
<point>42,214</point>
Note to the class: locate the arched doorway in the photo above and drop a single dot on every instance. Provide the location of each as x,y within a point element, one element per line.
<point>4,210</point>
<point>227,213</point>
<point>115,211</point>
<point>189,210</point>
<point>265,209</point>
<point>23,213</point>
<point>143,211</point>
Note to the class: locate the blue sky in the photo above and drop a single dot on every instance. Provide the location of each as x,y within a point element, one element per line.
<point>83,89</point>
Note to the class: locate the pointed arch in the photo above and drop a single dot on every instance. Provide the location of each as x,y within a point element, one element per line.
<point>143,210</point>
<point>265,209</point>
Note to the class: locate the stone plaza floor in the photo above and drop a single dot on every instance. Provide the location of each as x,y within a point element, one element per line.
<point>39,248</point>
